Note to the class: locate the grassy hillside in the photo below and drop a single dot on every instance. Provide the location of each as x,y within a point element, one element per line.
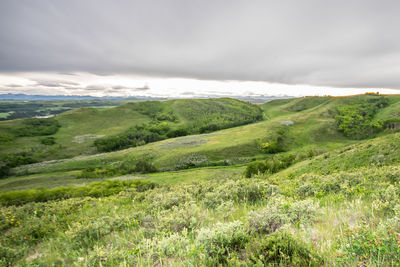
<point>78,129</point>
<point>317,194</point>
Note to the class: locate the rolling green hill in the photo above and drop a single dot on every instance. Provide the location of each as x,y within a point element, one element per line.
<point>322,189</point>
<point>80,128</point>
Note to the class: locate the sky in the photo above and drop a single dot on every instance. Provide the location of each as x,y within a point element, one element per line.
<point>181,48</point>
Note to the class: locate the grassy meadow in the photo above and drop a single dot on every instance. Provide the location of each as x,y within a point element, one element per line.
<point>310,181</point>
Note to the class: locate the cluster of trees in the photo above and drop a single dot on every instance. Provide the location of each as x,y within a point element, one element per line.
<point>137,136</point>
<point>8,161</point>
<point>356,121</point>
<point>37,127</point>
<point>277,162</point>
<point>277,141</point>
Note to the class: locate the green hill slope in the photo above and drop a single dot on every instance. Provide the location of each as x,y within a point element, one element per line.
<point>78,129</point>
<point>313,128</point>
<point>333,198</point>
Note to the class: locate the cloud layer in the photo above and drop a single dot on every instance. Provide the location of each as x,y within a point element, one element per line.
<point>343,43</point>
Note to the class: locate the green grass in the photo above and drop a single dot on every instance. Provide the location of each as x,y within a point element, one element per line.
<point>341,207</point>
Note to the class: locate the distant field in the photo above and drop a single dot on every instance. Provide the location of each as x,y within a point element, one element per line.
<point>4,115</point>
<point>24,109</point>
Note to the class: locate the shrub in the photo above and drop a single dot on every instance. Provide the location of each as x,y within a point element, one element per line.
<point>92,172</point>
<point>254,168</point>
<point>191,161</point>
<point>175,244</point>
<point>187,216</point>
<point>267,220</point>
<point>177,133</point>
<point>164,199</point>
<point>48,141</point>
<point>306,190</point>
<point>9,161</point>
<point>304,211</point>
<point>278,141</point>
<point>366,246</point>
<point>144,166</point>
<point>239,191</point>
<point>281,248</point>
<point>220,240</point>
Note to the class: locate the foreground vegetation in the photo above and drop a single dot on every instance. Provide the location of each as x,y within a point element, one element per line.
<point>316,184</point>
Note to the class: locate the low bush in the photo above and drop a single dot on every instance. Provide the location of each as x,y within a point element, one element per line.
<point>304,211</point>
<point>239,191</point>
<point>283,249</point>
<point>48,141</point>
<point>186,216</point>
<point>143,166</point>
<point>370,247</point>
<point>221,240</point>
<point>267,220</point>
<point>9,161</point>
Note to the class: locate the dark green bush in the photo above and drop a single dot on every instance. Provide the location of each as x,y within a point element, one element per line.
<point>48,141</point>
<point>177,133</point>
<point>278,141</point>
<point>281,248</point>
<point>144,166</point>
<point>37,127</point>
<point>254,168</point>
<point>9,161</point>
<point>278,162</point>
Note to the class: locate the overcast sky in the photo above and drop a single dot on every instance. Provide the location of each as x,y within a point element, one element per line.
<point>177,47</point>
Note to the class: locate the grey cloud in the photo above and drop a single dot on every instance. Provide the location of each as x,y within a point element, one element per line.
<point>344,43</point>
<point>13,85</point>
<point>56,83</point>
<point>96,87</point>
<point>121,87</point>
